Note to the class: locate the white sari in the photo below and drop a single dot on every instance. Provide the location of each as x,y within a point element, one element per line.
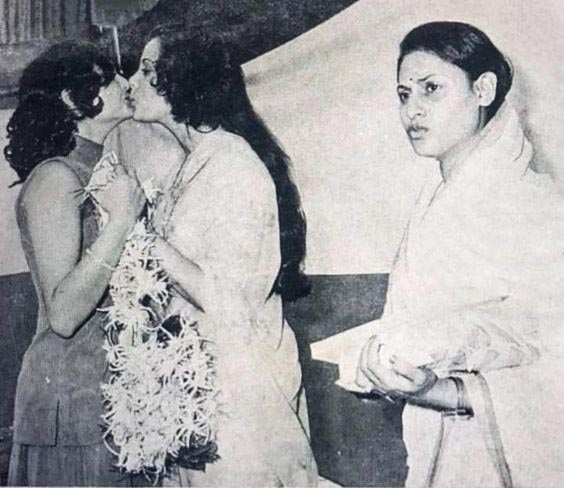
<point>477,289</point>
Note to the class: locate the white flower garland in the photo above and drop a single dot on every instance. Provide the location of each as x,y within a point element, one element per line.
<point>160,397</point>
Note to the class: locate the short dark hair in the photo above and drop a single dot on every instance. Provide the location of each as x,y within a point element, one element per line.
<point>42,125</point>
<point>464,46</point>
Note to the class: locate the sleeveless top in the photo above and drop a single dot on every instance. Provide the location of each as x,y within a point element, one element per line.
<point>58,397</point>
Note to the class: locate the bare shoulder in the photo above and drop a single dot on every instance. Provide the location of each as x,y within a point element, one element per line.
<point>51,179</point>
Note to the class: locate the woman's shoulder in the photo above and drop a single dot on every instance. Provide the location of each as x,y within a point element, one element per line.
<point>233,155</point>
<point>230,144</point>
<point>52,176</point>
<point>52,169</point>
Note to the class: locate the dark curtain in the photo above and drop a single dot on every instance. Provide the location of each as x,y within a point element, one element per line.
<point>251,27</point>
<point>31,20</point>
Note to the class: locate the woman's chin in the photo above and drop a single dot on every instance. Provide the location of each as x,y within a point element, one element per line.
<point>139,117</point>
<point>422,149</point>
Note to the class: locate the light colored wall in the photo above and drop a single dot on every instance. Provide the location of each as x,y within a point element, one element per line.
<point>330,98</point>
<point>11,255</point>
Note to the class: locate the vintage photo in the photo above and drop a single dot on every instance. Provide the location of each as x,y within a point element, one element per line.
<point>281,243</point>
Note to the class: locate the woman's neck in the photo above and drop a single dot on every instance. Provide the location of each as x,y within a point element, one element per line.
<point>454,158</point>
<point>187,136</point>
<point>94,130</point>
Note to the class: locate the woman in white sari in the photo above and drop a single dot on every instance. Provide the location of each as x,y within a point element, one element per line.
<point>233,243</point>
<point>472,337</point>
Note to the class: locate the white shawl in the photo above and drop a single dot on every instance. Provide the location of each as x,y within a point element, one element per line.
<point>480,269</point>
<point>478,285</point>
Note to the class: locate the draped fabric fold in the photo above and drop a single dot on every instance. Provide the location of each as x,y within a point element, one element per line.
<point>477,286</point>
<point>29,20</point>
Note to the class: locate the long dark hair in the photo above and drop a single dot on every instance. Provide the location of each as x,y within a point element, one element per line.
<point>206,89</point>
<point>42,125</point>
<point>464,46</point>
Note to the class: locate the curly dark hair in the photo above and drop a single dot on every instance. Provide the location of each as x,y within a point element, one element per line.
<point>42,125</point>
<point>205,88</point>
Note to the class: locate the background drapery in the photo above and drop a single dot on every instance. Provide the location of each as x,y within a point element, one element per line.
<point>329,96</point>
<point>118,12</point>
<point>29,20</point>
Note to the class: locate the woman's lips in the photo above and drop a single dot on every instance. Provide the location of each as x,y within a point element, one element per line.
<point>417,132</point>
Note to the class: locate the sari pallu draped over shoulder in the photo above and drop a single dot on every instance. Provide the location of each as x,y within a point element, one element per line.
<point>477,289</point>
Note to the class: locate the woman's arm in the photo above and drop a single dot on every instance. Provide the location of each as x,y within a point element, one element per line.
<point>187,276</point>
<point>72,287</point>
<point>447,394</point>
<point>240,213</point>
<point>395,377</point>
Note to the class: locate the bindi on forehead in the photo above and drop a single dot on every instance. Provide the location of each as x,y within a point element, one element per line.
<point>421,79</point>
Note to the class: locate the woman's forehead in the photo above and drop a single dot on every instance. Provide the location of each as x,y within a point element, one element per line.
<point>420,65</point>
<point>152,50</point>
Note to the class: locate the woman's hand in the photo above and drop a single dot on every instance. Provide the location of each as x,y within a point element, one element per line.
<point>72,281</point>
<point>389,375</point>
<point>394,377</point>
<point>123,198</point>
<point>187,277</point>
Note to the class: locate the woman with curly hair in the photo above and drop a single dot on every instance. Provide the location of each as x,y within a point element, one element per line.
<point>69,98</point>
<point>234,243</point>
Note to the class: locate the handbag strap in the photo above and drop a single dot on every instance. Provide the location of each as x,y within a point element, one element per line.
<point>484,415</point>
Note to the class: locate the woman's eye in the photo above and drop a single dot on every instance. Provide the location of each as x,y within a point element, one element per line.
<point>431,87</point>
<point>403,96</point>
<point>146,71</point>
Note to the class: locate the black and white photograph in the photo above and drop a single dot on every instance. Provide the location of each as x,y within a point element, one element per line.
<point>282,243</point>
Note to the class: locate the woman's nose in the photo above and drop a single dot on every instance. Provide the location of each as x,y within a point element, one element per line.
<point>415,107</point>
<point>132,83</point>
<point>122,81</point>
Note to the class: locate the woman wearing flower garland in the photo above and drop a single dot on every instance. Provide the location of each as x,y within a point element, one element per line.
<point>69,98</point>
<point>234,242</point>
<point>473,340</point>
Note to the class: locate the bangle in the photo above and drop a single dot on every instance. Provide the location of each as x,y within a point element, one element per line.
<point>99,260</point>
<point>462,409</point>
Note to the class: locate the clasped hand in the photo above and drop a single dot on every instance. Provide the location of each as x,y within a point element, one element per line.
<point>123,198</point>
<point>390,375</point>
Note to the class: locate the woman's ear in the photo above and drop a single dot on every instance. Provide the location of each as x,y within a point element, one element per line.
<point>66,98</point>
<point>485,88</point>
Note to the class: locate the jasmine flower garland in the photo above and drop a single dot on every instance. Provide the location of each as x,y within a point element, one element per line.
<point>160,397</point>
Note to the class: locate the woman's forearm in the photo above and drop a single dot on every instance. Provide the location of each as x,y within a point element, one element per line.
<point>445,395</point>
<point>78,294</point>
<point>187,276</point>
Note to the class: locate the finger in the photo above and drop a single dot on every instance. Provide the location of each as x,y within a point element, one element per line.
<point>362,368</point>
<point>366,353</point>
<point>373,369</point>
<point>119,170</point>
<point>381,376</point>
<point>407,370</point>
<point>367,374</point>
